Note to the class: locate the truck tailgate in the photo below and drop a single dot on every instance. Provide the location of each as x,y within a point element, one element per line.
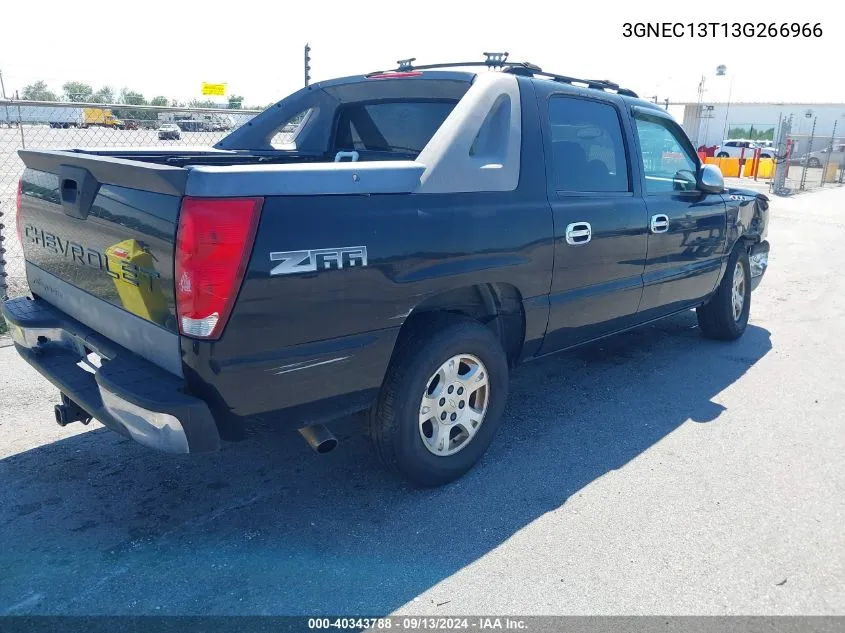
<point>98,236</point>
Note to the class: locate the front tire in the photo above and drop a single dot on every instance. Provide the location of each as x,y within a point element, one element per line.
<point>814,163</point>
<point>722,155</point>
<point>442,399</point>
<point>725,316</point>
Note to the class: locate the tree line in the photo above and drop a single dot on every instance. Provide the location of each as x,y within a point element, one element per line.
<point>81,92</point>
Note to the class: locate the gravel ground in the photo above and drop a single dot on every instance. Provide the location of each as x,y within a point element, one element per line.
<point>653,473</point>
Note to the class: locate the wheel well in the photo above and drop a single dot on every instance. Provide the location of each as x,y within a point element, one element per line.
<point>498,306</point>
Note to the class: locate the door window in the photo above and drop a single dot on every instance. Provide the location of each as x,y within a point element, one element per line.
<point>588,150</point>
<point>667,163</point>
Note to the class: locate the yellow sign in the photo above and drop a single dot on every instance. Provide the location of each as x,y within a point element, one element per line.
<point>218,90</point>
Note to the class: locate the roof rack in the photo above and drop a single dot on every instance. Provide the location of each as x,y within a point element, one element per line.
<point>499,61</point>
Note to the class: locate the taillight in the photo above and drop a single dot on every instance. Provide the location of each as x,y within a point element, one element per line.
<point>213,243</point>
<point>18,222</point>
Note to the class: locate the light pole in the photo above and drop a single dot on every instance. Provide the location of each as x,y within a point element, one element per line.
<point>721,71</point>
<point>3,93</point>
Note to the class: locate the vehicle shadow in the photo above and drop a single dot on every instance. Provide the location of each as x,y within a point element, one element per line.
<point>96,524</point>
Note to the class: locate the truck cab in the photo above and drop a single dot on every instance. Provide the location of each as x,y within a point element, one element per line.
<point>392,244</point>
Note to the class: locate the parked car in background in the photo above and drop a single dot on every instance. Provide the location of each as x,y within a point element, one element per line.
<point>735,148</point>
<point>819,158</point>
<point>169,131</point>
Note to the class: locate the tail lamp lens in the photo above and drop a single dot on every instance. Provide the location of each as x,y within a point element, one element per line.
<point>214,240</point>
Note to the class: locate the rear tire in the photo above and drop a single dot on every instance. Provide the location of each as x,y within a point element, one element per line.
<point>814,163</point>
<point>722,155</point>
<point>725,316</point>
<point>441,401</point>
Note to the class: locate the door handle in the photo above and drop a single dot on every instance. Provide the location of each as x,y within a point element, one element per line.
<point>578,233</point>
<point>659,223</point>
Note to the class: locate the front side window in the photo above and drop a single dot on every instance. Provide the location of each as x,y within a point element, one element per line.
<point>667,164</point>
<point>587,146</point>
<point>399,127</point>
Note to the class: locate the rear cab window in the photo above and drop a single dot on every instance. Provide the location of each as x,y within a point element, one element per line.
<point>401,128</point>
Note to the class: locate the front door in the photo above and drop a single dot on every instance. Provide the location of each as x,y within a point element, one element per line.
<point>687,228</point>
<point>599,219</point>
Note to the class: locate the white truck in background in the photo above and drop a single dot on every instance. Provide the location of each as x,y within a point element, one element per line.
<point>45,115</point>
<point>59,116</point>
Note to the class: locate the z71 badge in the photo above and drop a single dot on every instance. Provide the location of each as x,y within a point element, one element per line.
<point>292,262</point>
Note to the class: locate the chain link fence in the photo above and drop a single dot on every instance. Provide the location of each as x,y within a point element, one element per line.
<point>811,161</point>
<point>47,125</point>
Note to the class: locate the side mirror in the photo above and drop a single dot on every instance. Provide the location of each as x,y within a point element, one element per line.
<point>710,179</point>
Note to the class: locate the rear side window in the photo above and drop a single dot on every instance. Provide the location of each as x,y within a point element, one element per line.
<point>587,145</point>
<point>400,127</point>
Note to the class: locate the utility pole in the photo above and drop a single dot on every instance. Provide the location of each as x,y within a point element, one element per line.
<point>307,65</point>
<point>3,92</point>
<point>699,109</point>
<point>3,288</point>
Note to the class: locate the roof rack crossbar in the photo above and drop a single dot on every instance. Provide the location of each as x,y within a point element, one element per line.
<point>406,64</point>
<point>499,60</point>
<point>595,84</point>
<point>496,60</point>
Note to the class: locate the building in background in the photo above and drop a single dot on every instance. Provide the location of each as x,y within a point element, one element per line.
<point>710,124</point>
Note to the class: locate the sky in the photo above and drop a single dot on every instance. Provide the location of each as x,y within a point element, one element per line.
<point>256,48</point>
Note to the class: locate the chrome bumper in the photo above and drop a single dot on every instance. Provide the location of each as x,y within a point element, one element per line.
<point>123,391</point>
<point>758,259</point>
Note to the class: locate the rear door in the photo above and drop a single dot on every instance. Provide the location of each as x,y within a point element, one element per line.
<point>687,228</point>
<point>599,219</point>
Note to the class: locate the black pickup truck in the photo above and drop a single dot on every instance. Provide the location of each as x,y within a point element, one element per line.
<point>392,243</point>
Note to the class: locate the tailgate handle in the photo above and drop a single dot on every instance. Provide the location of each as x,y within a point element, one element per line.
<point>78,188</point>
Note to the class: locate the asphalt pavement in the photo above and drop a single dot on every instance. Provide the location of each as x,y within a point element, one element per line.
<point>652,473</point>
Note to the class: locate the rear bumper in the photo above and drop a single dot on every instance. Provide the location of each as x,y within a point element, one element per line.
<point>758,259</point>
<point>125,392</point>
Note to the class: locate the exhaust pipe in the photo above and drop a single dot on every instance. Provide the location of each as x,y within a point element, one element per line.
<point>319,438</point>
